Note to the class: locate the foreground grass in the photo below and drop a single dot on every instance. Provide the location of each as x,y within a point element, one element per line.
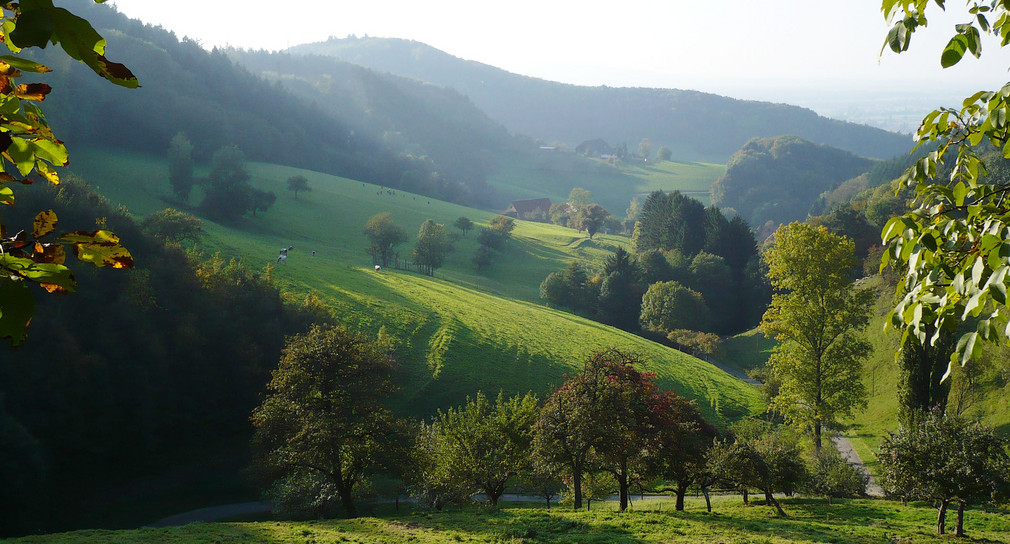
<point>810,520</point>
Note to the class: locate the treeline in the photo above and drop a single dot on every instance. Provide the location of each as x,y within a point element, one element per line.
<point>323,434</point>
<point>693,269</point>
<point>140,371</point>
<point>217,102</point>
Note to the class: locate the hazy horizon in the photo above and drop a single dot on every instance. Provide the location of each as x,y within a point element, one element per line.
<point>809,54</point>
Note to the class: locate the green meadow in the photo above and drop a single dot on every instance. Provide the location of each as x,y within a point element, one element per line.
<point>553,175</point>
<point>809,521</point>
<point>457,332</point>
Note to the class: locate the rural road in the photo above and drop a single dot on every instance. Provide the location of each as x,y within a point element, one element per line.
<point>845,449</point>
<point>214,513</point>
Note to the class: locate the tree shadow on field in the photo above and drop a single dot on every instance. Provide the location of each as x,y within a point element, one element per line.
<point>518,525</point>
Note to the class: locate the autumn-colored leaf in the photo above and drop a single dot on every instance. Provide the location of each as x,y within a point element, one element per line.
<point>100,248</point>
<point>32,91</point>
<point>8,70</point>
<point>49,253</point>
<point>44,224</point>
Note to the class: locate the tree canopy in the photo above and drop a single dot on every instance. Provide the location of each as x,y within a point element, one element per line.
<point>29,146</point>
<point>954,244</point>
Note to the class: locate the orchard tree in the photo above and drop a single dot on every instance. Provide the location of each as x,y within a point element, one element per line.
<point>481,445</point>
<point>262,200</point>
<point>770,462</point>
<point>954,245</point>
<point>433,245</point>
<point>325,415</point>
<point>578,197</point>
<point>664,153</point>
<point>945,459</point>
<point>644,148</point>
<point>590,218</point>
<point>31,150</point>
<point>383,235</point>
<point>464,224</point>
<point>814,316</point>
<point>299,183</point>
<point>180,166</point>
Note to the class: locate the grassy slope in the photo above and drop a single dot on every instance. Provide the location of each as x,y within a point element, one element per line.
<point>554,174</point>
<point>459,331</point>
<point>859,521</point>
<point>871,425</point>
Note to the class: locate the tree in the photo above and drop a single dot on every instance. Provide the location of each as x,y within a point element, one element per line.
<point>953,244</point>
<point>464,224</point>
<point>561,213</point>
<point>668,306</point>
<point>262,200</point>
<point>180,166</point>
<point>684,447</point>
<point>299,183</point>
<point>946,459</point>
<point>664,153</point>
<point>620,301</point>
<point>481,445</point>
<point>433,245</point>
<point>921,367</point>
<point>227,193</point>
<point>383,235</point>
<point>644,148</point>
<point>579,197</point>
<point>568,425</point>
<point>832,476</point>
<point>590,218</point>
<point>324,414</point>
<point>569,288</point>
<point>769,461</point>
<point>814,316</point>
<point>28,146</point>
<point>172,225</point>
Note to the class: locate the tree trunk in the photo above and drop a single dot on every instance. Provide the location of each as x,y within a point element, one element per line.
<point>959,530</point>
<point>746,496</point>
<point>817,436</point>
<point>941,519</point>
<point>347,500</point>
<point>681,491</point>
<point>708,500</point>
<point>622,482</point>
<point>778,508</point>
<point>548,497</point>
<point>577,485</point>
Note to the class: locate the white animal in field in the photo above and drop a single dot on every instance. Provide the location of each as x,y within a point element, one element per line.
<point>377,268</point>
<point>283,256</point>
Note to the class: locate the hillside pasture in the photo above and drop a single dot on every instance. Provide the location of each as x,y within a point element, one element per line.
<point>459,331</point>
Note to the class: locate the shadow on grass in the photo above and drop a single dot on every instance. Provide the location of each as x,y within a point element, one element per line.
<point>517,525</point>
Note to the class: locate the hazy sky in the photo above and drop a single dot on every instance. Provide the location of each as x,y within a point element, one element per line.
<point>744,48</point>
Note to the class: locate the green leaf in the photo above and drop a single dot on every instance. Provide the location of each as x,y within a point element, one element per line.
<point>100,248</point>
<point>6,195</point>
<point>33,28</point>
<point>55,276</point>
<point>898,37</point>
<point>954,51</point>
<point>54,152</point>
<point>17,307</point>
<point>24,65</point>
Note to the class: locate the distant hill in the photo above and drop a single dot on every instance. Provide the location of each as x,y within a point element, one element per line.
<point>778,179</point>
<point>694,125</point>
<point>217,102</point>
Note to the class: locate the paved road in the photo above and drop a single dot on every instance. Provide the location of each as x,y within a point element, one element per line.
<point>850,455</point>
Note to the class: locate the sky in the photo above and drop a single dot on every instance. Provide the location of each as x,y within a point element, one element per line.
<point>761,49</point>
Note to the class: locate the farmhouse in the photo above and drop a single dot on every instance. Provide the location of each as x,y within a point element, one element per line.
<point>536,209</point>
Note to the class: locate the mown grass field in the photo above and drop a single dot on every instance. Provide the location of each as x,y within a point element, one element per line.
<point>457,332</point>
<point>809,521</point>
<point>553,175</point>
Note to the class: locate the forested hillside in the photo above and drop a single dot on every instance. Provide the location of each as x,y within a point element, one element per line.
<point>694,125</point>
<point>779,179</point>
<point>216,103</point>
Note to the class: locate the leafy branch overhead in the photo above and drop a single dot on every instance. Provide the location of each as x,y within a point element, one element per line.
<point>954,244</point>
<point>29,146</point>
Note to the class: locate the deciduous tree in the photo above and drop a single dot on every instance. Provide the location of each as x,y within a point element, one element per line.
<point>172,225</point>
<point>954,245</point>
<point>482,444</point>
<point>383,235</point>
<point>180,166</point>
<point>945,459</point>
<point>464,224</point>
<point>590,218</point>
<point>433,245</point>
<point>814,316</point>
<point>299,183</point>
<point>668,306</point>
<point>325,414</point>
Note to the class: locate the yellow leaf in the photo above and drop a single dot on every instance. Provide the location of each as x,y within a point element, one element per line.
<point>45,224</point>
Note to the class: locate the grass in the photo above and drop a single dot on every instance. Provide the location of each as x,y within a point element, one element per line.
<point>746,351</point>
<point>809,521</point>
<point>459,331</point>
<point>553,175</point>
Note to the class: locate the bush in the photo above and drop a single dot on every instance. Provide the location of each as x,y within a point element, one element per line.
<point>833,477</point>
